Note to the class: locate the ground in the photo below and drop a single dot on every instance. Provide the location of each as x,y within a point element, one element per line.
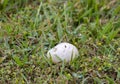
<point>29,28</point>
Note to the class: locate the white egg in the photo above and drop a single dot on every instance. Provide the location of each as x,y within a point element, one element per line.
<point>63,52</point>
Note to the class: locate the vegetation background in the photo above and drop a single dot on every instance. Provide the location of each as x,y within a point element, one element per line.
<point>29,28</point>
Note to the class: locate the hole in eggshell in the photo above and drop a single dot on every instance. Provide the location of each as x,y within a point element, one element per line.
<point>65,46</point>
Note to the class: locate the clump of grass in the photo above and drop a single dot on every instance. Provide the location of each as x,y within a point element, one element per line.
<point>31,29</point>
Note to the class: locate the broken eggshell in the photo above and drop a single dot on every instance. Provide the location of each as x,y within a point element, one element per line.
<point>63,52</point>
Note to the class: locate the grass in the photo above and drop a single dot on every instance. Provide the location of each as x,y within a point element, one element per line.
<point>29,28</point>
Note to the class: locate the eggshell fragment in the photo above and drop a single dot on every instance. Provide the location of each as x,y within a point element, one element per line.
<point>63,52</point>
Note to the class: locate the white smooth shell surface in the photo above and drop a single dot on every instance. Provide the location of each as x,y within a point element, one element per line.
<point>63,51</point>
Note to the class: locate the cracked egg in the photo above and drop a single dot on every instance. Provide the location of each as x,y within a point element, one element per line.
<point>63,52</point>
